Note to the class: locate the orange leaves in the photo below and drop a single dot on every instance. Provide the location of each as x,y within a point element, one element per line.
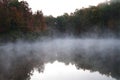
<point>16,15</point>
<point>37,22</point>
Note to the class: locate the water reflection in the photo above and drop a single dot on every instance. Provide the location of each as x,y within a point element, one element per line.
<point>16,67</point>
<point>19,60</point>
<point>60,71</point>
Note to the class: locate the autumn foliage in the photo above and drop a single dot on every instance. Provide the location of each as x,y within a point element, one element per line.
<point>16,15</point>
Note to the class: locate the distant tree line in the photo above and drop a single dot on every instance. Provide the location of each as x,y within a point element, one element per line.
<point>15,15</point>
<point>101,19</point>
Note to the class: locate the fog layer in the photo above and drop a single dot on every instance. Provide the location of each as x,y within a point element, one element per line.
<point>18,60</point>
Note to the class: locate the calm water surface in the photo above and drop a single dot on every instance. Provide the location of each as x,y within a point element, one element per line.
<point>61,59</point>
<point>60,71</point>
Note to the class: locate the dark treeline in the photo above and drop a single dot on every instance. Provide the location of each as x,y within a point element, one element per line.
<point>101,20</point>
<point>17,19</point>
<point>16,15</point>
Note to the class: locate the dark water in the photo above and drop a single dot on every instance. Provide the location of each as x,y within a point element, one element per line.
<point>61,59</point>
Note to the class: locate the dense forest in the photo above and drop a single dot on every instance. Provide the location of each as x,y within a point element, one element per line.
<point>16,15</point>
<point>17,19</point>
<point>100,20</point>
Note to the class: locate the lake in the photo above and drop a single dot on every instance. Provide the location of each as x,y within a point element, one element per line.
<point>61,59</point>
<point>60,71</point>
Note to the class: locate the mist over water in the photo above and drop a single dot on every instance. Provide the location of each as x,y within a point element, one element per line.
<point>18,60</point>
<point>54,47</point>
